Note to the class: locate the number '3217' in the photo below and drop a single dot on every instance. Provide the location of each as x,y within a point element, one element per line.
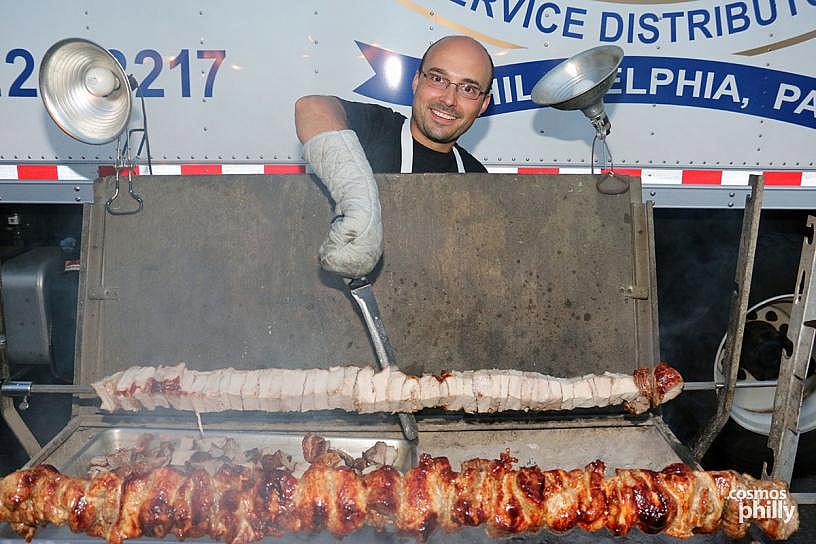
<point>209,59</point>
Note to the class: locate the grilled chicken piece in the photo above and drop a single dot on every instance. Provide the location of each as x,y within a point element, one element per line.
<point>239,504</point>
<point>365,390</point>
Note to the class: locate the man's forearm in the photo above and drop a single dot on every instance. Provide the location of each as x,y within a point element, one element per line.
<point>316,114</point>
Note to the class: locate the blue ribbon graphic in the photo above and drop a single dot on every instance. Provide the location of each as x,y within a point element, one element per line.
<point>697,83</point>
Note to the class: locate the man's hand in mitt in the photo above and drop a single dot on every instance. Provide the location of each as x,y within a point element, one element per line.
<point>355,242</point>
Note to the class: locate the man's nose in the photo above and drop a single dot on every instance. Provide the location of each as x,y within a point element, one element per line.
<point>449,94</point>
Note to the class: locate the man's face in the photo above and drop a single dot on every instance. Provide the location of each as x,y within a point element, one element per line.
<point>440,116</point>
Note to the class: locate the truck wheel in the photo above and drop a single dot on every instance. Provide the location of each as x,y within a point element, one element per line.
<point>742,444</point>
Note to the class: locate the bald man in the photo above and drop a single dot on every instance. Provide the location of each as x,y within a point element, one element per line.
<point>345,142</point>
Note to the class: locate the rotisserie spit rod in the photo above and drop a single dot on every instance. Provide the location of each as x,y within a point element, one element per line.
<point>241,505</point>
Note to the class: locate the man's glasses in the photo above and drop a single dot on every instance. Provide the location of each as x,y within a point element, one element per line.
<point>466,90</point>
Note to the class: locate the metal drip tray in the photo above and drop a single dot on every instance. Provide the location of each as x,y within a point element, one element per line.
<point>111,440</point>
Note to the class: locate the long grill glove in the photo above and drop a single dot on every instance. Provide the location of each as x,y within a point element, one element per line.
<point>355,241</point>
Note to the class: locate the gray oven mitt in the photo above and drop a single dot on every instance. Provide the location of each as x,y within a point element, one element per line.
<point>355,241</point>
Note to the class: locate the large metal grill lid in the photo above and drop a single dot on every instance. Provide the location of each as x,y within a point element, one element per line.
<point>539,273</point>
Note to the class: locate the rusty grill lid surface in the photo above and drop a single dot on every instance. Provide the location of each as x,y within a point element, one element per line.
<point>537,273</point>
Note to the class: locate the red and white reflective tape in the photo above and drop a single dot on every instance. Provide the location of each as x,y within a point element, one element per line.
<point>209,169</point>
<point>47,172</point>
<point>64,172</point>
<point>649,176</point>
<point>670,176</point>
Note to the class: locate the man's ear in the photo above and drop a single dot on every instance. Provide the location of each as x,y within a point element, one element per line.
<point>415,82</point>
<point>486,103</point>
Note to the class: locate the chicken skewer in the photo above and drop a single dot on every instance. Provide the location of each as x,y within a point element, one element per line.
<point>364,390</point>
<point>239,505</point>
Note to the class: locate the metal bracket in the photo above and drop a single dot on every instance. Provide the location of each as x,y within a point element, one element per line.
<point>103,293</point>
<point>8,412</point>
<point>736,320</point>
<point>783,438</point>
<point>635,292</point>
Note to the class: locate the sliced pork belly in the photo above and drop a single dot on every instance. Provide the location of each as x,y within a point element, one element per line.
<point>235,386</point>
<point>482,387</point>
<point>396,379</point>
<point>214,398</point>
<point>429,395</point>
<point>364,389</point>
<point>345,400</point>
<point>567,395</point>
<point>334,386</point>
<point>198,392</point>
<point>456,391</point>
<point>182,399</point>
<point>624,388</point>
<point>307,402</point>
<point>321,389</point>
<point>380,382</point>
<point>539,393</point>
<point>124,391</point>
<point>468,396</point>
<point>410,395</point>
<point>106,389</point>
<point>527,386</point>
<point>142,388</point>
<point>555,394</point>
<point>514,378</point>
<point>582,395</point>
<point>168,379</point>
<point>250,390</point>
<point>500,383</point>
<point>277,392</point>
<point>603,388</point>
<point>291,390</point>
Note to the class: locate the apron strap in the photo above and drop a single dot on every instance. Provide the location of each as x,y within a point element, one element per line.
<point>407,149</point>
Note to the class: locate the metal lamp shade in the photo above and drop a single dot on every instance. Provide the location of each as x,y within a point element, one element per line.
<point>580,82</point>
<point>72,96</point>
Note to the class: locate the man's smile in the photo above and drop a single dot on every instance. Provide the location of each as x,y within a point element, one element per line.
<point>445,116</point>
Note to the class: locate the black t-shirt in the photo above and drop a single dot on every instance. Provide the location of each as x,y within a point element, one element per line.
<point>379,129</point>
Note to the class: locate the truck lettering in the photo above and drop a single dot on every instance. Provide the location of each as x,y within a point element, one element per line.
<point>17,88</point>
<point>791,94</point>
<point>736,17</point>
<point>23,86</point>
<point>691,84</point>
<point>660,77</point>
<point>144,87</point>
<point>510,13</point>
<point>509,89</point>
<point>728,87</point>
<point>630,83</point>
<point>541,13</point>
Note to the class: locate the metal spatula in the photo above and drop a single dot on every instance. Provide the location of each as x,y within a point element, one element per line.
<point>363,295</point>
